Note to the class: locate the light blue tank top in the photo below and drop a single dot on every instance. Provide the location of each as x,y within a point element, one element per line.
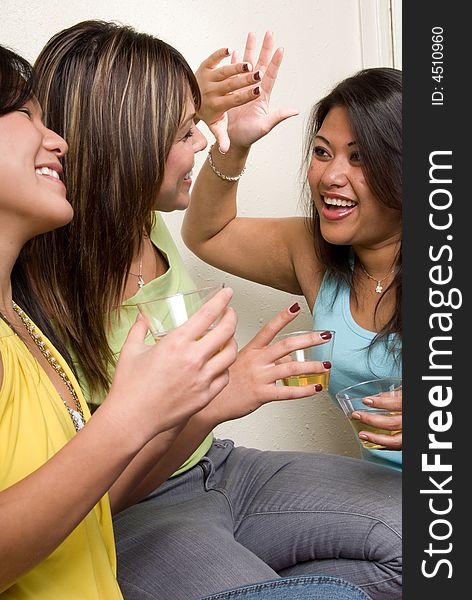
<point>352,363</point>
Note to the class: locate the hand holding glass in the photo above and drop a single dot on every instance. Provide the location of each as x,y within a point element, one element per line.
<point>321,353</point>
<point>355,398</point>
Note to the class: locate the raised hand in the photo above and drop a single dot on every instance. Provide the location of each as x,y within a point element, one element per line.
<point>391,422</point>
<point>157,387</point>
<point>250,122</point>
<point>222,88</point>
<point>259,366</point>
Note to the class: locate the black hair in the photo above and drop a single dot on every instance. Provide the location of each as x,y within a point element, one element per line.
<point>373,100</point>
<point>16,81</point>
<point>17,86</point>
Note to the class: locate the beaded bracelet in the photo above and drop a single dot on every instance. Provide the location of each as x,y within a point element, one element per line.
<point>219,173</point>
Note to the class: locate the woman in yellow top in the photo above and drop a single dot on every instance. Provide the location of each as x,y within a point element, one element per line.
<point>55,494</point>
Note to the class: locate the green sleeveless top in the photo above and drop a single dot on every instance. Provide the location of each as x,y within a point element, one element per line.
<point>176,279</point>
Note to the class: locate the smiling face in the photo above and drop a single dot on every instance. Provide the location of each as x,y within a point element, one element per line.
<point>32,192</point>
<point>174,193</point>
<point>349,213</point>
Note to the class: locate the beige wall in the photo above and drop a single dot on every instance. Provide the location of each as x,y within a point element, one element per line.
<point>324,42</point>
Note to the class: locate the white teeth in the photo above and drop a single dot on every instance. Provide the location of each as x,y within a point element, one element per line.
<point>339,202</point>
<point>189,175</point>
<point>47,171</point>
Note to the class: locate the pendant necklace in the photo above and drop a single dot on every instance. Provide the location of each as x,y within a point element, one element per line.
<point>378,287</point>
<point>139,274</point>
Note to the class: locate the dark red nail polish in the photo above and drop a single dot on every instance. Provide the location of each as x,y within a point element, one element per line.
<point>327,364</point>
<point>245,67</point>
<point>256,91</point>
<point>318,387</point>
<point>326,335</point>
<point>294,308</point>
<point>257,75</point>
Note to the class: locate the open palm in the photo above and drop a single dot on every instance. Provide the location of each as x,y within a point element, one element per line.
<point>249,123</point>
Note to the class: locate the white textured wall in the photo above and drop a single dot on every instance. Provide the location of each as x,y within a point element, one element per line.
<point>323,44</point>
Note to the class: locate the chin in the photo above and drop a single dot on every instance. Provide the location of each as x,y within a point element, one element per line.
<point>174,207</point>
<point>62,218</point>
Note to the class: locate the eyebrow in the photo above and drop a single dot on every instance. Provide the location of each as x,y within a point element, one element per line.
<point>353,143</point>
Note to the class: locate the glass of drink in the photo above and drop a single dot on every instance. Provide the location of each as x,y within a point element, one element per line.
<point>352,399</point>
<point>322,352</point>
<point>162,315</point>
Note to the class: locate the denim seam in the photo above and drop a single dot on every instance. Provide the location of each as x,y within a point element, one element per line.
<point>220,491</point>
<point>334,512</point>
<point>321,579</point>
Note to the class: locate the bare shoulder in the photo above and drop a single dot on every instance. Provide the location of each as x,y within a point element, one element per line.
<point>309,271</point>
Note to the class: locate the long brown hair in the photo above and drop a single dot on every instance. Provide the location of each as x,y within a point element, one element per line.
<point>118,97</point>
<point>373,99</point>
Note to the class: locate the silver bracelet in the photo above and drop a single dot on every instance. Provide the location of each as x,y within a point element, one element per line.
<point>219,173</point>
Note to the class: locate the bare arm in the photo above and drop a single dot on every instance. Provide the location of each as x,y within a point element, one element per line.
<point>262,250</point>
<point>258,249</point>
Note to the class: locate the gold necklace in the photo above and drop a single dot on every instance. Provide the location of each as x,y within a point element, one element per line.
<point>77,415</point>
<point>378,287</point>
<point>139,275</point>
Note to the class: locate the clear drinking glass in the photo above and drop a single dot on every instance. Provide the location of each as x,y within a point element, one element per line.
<point>322,352</point>
<point>162,315</point>
<point>352,399</point>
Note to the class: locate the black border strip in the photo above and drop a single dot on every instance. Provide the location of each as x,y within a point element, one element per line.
<point>437,208</point>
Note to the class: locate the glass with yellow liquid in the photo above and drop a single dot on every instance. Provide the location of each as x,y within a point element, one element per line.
<point>162,315</point>
<point>351,399</point>
<point>322,378</point>
<point>321,353</point>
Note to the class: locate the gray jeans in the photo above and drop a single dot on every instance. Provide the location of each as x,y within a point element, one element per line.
<point>244,516</point>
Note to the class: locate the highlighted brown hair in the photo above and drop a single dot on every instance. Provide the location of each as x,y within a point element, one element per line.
<point>118,97</point>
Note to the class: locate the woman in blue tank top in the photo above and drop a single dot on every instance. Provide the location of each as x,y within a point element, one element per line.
<point>345,257</point>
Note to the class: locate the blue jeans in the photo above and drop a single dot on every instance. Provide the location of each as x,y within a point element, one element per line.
<point>243,516</point>
<point>296,588</point>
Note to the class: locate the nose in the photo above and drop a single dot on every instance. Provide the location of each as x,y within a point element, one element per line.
<point>335,173</point>
<point>199,141</point>
<point>54,142</point>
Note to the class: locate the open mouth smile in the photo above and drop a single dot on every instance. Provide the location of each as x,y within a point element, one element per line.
<point>48,172</point>
<point>335,208</point>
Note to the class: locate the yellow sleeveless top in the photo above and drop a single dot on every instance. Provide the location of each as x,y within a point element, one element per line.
<point>34,425</point>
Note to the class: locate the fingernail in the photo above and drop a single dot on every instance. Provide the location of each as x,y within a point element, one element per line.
<point>221,151</point>
<point>327,364</point>
<point>326,335</point>
<point>257,75</point>
<point>368,401</point>
<point>356,416</point>
<point>363,436</point>
<point>246,68</point>
<point>318,387</point>
<point>294,308</point>
<point>256,91</point>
